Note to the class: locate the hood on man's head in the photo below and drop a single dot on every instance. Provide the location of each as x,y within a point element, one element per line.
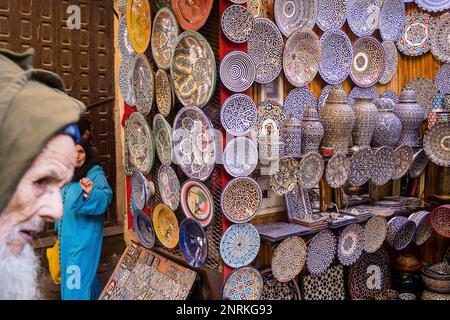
<point>33,108</point>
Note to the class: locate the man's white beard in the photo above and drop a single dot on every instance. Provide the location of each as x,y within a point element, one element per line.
<point>18,274</point>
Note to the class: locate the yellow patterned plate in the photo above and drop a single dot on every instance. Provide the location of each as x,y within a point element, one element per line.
<point>166,226</point>
<point>139,24</point>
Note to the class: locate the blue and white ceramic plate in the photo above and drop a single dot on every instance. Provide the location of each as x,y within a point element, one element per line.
<point>239,245</point>
<point>193,243</point>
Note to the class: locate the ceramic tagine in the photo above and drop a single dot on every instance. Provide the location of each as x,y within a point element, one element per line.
<point>291,135</point>
<point>411,114</point>
<point>312,131</point>
<point>388,126</point>
<point>338,119</point>
<point>366,120</point>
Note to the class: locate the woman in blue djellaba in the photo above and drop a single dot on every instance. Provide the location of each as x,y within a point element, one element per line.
<point>80,230</point>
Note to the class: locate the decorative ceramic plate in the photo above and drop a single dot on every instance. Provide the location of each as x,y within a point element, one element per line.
<point>310,170</point>
<point>237,23</point>
<point>323,96</point>
<point>139,24</point>
<point>424,230</point>
<point>404,233</point>
<point>283,176</point>
<point>338,170</point>
<point>166,226</point>
<point>390,94</point>
<point>140,190</point>
<point>336,56</point>
<point>383,167</point>
<point>331,14</point>
<point>197,202</point>
<point>328,286</point>
<point>271,116</point>
<point>374,233</point>
<point>301,57</point>
<point>361,92</point>
<point>291,15</point>
<point>193,69</point>
<point>163,139</point>
<point>297,100</point>
<point>350,244</point>
<point>140,143</point>
<point>123,40</point>
<point>259,8</point>
<point>415,39</point>
<point>436,144</point>
<point>362,16</point>
<point>239,245</point>
<point>420,162</point>
<point>164,95</point>
<point>298,204</point>
<point>441,79</point>
<point>276,290</point>
<point>243,284</point>
<point>440,220</point>
<point>425,90</point>
<point>193,243</point>
<point>194,143</point>
<point>164,37</point>
<point>368,62</point>
<point>288,259</point>
<point>390,62</point>
<point>143,227</point>
<point>265,47</point>
<point>402,161</point>
<point>192,14</point>
<point>240,157</point>
<point>237,71</point>
<point>440,43</point>
<point>433,5</point>
<point>241,200</point>
<point>125,77</point>
<point>360,166</point>
<point>169,187</point>
<point>238,114</point>
<point>143,84</point>
<point>392,18</point>
<point>321,252</point>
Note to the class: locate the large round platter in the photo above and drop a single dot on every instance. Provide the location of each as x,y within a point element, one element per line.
<point>143,84</point>
<point>139,24</point>
<point>197,202</point>
<point>241,200</point>
<point>425,90</point>
<point>139,142</point>
<point>441,79</point>
<point>271,117</point>
<point>433,5</point>
<point>390,62</point>
<point>321,252</point>
<point>164,37</point>
<point>338,170</point>
<point>140,190</point>
<point>383,166</point>
<point>420,162</point>
<point>350,244</point>
<point>238,114</point>
<point>310,170</point>
<point>440,220</point>
<point>163,139</point>
<point>360,166</point>
<point>291,15</point>
<point>237,71</point>
<point>368,62</point>
<point>143,227</point>
<point>336,56</point>
<point>436,144</point>
<point>288,259</point>
<point>164,95</point>
<point>169,187</point>
<point>193,243</point>
<point>283,176</point>
<point>362,16</point>
<point>361,92</point>
<point>424,230</point>
<point>392,18</point>
<point>331,14</point>
<point>166,226</point>
<point>194,143</point>
<point>301,57</point>
<point>415,39</point>
<point>239,245</point>
<point>440,42</point>
<point>192,14</point>
<point>237,23</point>
<point>265,47</point>
<point>240,157</point>
<point>276,290</point>
<point>375,233</point>
<point>402,162</point>
<point>123,40</point>
<point>193,69</point>
<point>243,284</point>
<point>404,232</point>
<point>125,79</point>
<point>297,100</point>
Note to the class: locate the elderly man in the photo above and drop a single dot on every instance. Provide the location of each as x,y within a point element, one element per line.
<point>37,158</point>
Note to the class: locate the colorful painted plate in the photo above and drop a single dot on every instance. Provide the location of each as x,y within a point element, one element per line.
<point>271,116</point>
<point>243,284</point>
<point>237,71</point>
<point>288,259</point>
<point>362,16</point>
<point>197,202</point>
<point>360,166</point>
<point>163,139</point>
<point>297,100</point>
<point>368,62</point>
<point>382,166</point>
<point>441,79</point>
<point>283,175</point>
<point>375,233</point>
<point>169,187</point>
<point>143,84</point>
<point>402,161</point>
<point>238,114</point>
<point>321,252</point>
<point>420,162</point>
<point>350,244</point>
<point>123,40</point>
<point>193,69</point>
<point>139,24</point>
<point>193,243</point>
<point>338,170</point>
<point>390,62</point>
<point>392,18</point>
<point>415,39</point>
<point>240,157</point>
<point>310,170</point>
<point>192,14</point>
<point>275,290</point>
<point>166,226</point>
<point>237,23</point>
<point>440,43</point>
<point>239,245</point>
<point>291,15</point>
<point>436,144</point>
<point>164,37</point>
<point>143,227</point>
<point>331,14</point>
<point>164,95</point>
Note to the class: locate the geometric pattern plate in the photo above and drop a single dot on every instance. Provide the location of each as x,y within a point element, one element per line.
<point>368,62</point>
<point>374,233</point>
<point>331,14</point>
<point>360,166</point>
<point>321,252</point>
<point>383,166</point>
<point>437,144</point>
<point>338,170</point>
<point>403,159</point>
<point>169,187</point>
<point>362,16</point>
<point>415,39</point>
<point>392,18</point>
<point>288,259</point>
<point>238,114</point>
<point>440,42</point>
<point>243,284</point>
<point>350,244</point>
<point>163,139</point>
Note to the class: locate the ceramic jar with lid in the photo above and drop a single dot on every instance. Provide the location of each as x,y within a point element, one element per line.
<point>366,120</point>
<point>388,126</point>
<point>291,135</point>
<point>338,119</point>
<point>312,131</point>
<point>411,114</point>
